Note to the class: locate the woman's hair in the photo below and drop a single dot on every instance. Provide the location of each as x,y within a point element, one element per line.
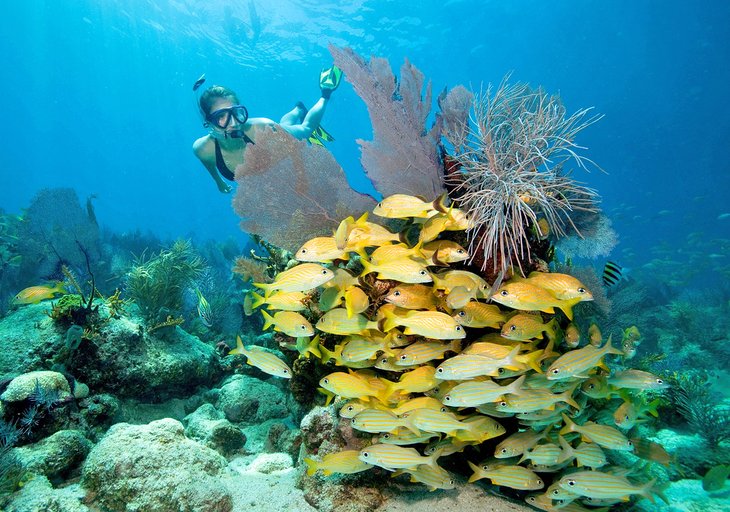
<point>213,93</point>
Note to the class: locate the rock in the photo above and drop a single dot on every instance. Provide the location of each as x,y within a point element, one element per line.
<point>81,390</point>
<point>155,467</point>
<point>22,386</point>
<point>248,400</point>
<point>210,427</point>
<point>27,333</point>
<point>38,495</point>
<point>56,456</point>
<point>131,363</point>
<point>267,463</point>
<point>687,496</point>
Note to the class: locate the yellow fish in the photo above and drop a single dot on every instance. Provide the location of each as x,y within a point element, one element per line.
<point>402,269</point>
<point>283,301</point>
<point>562,286</point>
<point>577,362</point>
<point>596,484</point>
<point>348,385</point>
<point>594,335</point>
<point>322,249</point>
<point>345,227</point>
<point>528,297</point>
<point>431,324</point>
<point>290,323</point>
<point>603,435</point>
<point>637,379</point>
<point>346,462</point>
<point>479,314</point>
<point>450,279</point>
<point>572,336</point>
<point>425,351</point>
<point>435,477</point>
<point>356,301</point>
<point>412,296</point>
<point>392,457</point>
<point>385,253</point>
<point>376,421</point>
<point>442,252</point>
<point>300,278</point>
<point>263,360</point>
<point>514,477</point>
<point>420,380</point>
<point>338,321</point>
<point>35,294</point>
<point>523,327</point>
<point>402,206</point>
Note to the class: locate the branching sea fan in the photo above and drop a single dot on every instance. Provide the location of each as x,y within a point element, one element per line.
<point>507,173</point>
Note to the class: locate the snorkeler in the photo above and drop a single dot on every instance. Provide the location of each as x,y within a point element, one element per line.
<point>231,130</point>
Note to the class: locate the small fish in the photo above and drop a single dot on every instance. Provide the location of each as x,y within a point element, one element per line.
<point>35,294</point>
<point>442,252</point>
<point>419,380</point>
<point>478,314</point>
<point>577,362</point>
<point>595,337</point>
<point>321,249</point>
<point>528,297</point>
<point>523,327</point>
<point>637,379</point>
<point>290,323</point>
<point>356,301</point>
<point>358,348</point>
<point>302,277</point>
<point>649,450</point>
<point>338,321</point>
<point>385,253</point>
<point>263,360</point>
<point>402,206</point>
<point>468,366</point>
<point>474,393</point>
<point>392,457</point>
<point>435,477</point>
<point>562,286</point>
<point>412,296</point>
<point>603,435</point>
<point>431,324</point>
<point>200,81</point>
<point>247,304</point>
<point>723,216</point>
<point>590,455</point>
<point>425,351</point>
<point>432,420</point>
<point>516,444</point>
<point>612,273</point>
<point>204,311</point>
<point>346,462</point>
<point>348,385</point>
<point>404,270</point>
<point>572,336</point>
<point>376,421</point>
<point>715,478</point>
<point>283,301</point>
<point>596,484</point>
<point>514,477</point>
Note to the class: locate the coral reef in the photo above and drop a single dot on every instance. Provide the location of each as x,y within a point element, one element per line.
<point>291,190</point>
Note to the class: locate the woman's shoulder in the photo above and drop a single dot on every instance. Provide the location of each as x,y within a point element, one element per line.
<point>204,146</point>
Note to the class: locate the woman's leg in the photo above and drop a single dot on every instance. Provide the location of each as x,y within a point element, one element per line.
<point>294,116</point>
<point>311,121</point>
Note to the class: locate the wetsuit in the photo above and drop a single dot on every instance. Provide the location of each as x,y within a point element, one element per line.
<point>220,163</point>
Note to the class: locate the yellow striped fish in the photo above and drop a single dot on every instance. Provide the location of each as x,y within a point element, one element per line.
<point>360,348</point>
<point>431,324</point>
<point>404,270</point>
<point>435,477</point>
<point>517,443</point>
<point>536,399</point>
<point>337,321</point>
<point>406,437</point>
<point>322,249</point>
<point>425,351</point>
<point>402,206</point>
<point>376,421</point>
<point>473,393</point>
<point>386,253</point>
<point>604,435</point>
<point>413,296</point>
<point>431,420</point>
<point>419,380</point>
<point>392,457</point>
<point>589,455</point>
<point>348,385</point>
<point>562,286</point>
<point>356,301</point>
<point>263,360</point>
<point>596,484</point>
<point>528,297</point>
<point>441,252</point>
<point>346,462</point>
<point>283,301</point>
<point>290,323</point>
<point>300,278</point>
<point>577,362</point>
<point>479,314</point>
<point>514,477</point>
<point>468,366</point>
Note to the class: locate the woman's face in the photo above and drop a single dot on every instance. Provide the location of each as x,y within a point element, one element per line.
<point>227,119</point>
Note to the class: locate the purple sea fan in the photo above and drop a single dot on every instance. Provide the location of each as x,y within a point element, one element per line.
<point>290,191</point>
<point>509,172</point>
<point>402,158</point>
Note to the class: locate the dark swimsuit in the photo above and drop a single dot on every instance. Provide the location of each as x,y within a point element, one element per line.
<point>221,164</point>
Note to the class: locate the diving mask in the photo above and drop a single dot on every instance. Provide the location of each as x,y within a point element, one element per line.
<point>223,116</point>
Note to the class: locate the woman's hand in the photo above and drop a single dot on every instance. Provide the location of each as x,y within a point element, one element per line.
<point>224,187</point>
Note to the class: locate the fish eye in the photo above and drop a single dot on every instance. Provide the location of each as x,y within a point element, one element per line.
<point>461,313</point>
<point>458,328</point>
<point>556,492</point>
<point>447,398</point>
<point>531,499</point>
<point>460,251</point>
<point>500,371</point>
<point>286,371</point>
<point>350,408</point>
<point>324,272</point>
<point>386,436</point>
<point>591,386</point>
<point>626,417</point>
<point>326,380</point>
<point>396,293</point>
<point>503,404</point>
<point>403,357</point>
<point>581,290</point>
<point>539,482</point>
<point>630,443</point>
<point>659,381</point>
<point>504,293</point>
<point>485,467</point>
<point>423,272</point>
<point>451,482</point>
<point>366,454</point>
<point>512,327</point>
<point>439,370</point>
<point>571,483</point>
<point>555,371</point>
<point>504,450</point>
<point>443,409</point>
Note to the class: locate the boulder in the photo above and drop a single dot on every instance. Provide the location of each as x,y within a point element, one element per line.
<point>56,456</point>
<point>210,427</point>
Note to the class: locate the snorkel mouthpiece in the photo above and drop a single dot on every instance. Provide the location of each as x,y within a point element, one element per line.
<point>235,134</point>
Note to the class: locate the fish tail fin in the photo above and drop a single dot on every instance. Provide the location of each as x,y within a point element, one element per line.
<point>533,360</point>
<point>609,349</point>
<point>259,300</point>
<point>515,388</point>
<point>268,319</point>
<point>648,491</point>
<point>60,287</point>
<point>569,425</point>
<point>476,476</point>
<point>311,466</point>
<point>510,360</point>
<point>239,350</point>
<point>551,329</point>
<point>433,458</point>
<point>367,267</point>
<point>568,451</point>
<point>566,306</point>
<point>389,322</point>
<point>651,407</point>
<point>266,287</point>
<point>455,346</point>
<point>439,204</point>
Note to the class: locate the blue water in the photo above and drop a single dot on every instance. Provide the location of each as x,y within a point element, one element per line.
<point>97,96</point>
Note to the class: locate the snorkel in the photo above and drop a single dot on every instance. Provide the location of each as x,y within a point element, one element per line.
<point>219,120</point>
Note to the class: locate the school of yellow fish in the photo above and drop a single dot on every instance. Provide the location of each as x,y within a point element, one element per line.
<point>443,360</point>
